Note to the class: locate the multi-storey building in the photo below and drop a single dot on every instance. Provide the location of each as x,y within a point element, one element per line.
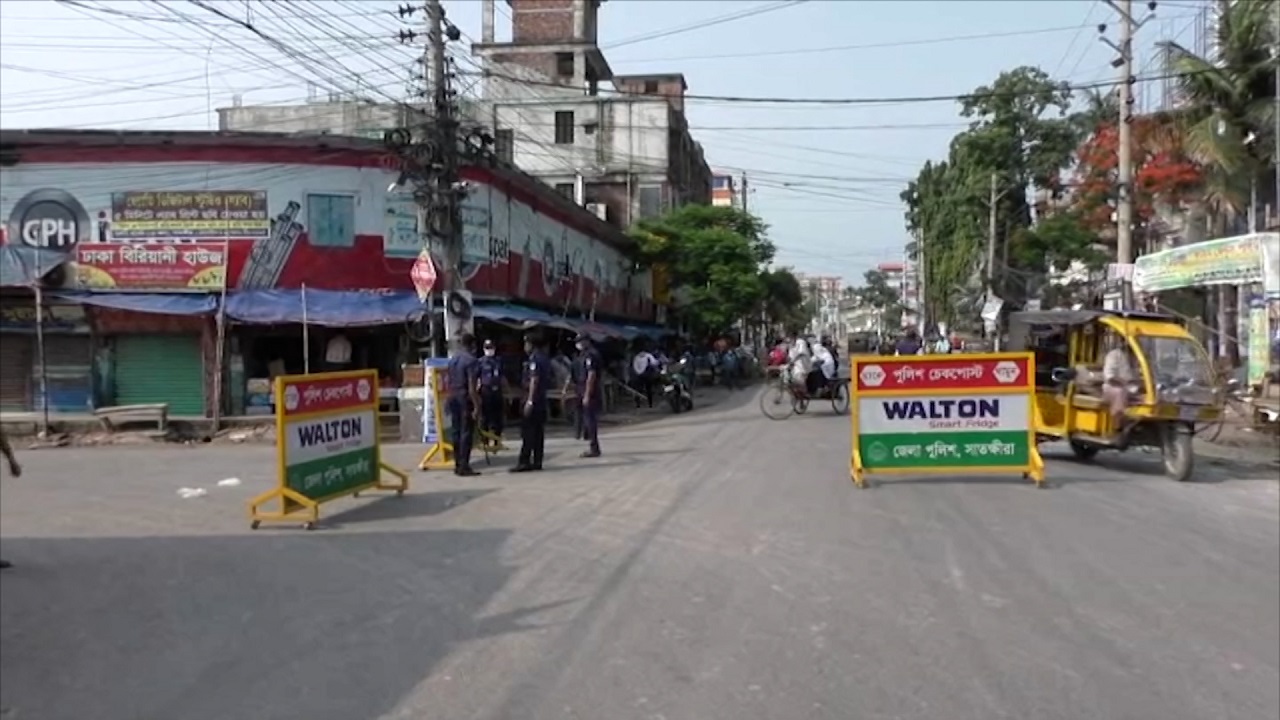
<point>823,292</point>
<point>627,154</point>
<point>725,191</point>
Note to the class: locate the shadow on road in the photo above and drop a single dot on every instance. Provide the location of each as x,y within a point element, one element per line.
<point>269,627</point>
<point>388,507</point>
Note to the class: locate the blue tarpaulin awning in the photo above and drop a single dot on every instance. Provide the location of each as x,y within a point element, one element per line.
<point>330,308</point>
<point>513,313</point>
<point>161,303</point>
<point>23,266</point>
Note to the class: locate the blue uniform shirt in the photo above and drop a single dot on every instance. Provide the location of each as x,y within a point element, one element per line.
<point>490,372</point>
<point>590,362</point>
<point>463,372</point>
<point>538,365</point>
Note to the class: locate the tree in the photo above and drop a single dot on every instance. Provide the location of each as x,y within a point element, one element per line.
<point>878,294</point>
<point>784,303</point>
<point>714,258</point>
<point>1229,122</point>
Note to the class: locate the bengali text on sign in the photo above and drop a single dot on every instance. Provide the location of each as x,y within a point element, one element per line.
<point>303,396</point>
<point>151,266</point>
<point>905,374</point>
<point>154,215</point>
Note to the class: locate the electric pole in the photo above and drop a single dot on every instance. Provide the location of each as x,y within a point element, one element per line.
<point>744,205</point>
<point>1124,184</point>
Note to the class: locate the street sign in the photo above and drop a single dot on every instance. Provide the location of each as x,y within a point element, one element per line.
<point>950,414</point>
<point>326,444</point>
<point>423,274</point>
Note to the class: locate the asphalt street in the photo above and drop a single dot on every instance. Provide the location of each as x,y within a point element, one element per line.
<point>711,566</point>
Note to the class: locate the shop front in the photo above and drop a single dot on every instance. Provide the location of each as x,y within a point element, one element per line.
<point>64,378</point>
<point>1250,263</point>
<point>154,349</point>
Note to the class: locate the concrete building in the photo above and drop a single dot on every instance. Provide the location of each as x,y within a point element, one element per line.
<point>725,191</point>
<point>626,154</point>
<point>823,291</point>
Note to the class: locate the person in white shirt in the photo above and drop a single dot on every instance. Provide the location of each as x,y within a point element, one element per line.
<point>826,362</point>
<point>1117,374</point>
<point>644,367</point>
<point>799,358</point>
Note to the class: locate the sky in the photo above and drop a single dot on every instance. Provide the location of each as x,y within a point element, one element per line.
<point>825,178</point>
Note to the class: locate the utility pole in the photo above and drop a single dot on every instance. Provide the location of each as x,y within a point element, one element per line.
<point>1124,189</point>
<point>745,207</point>
<point>989,272</point>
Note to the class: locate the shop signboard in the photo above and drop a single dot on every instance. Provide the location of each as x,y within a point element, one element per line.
<point>1229,261</point>
<point>170,215</point>
<point>169,267</point>
<point>20,316</point>
<point>435,426</point>
<point>1259,341</point>
<point>958,414</point>
<point>326,444</point>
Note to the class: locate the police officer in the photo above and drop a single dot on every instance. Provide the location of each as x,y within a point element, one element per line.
<point>589,385</point>
<point>490,371</point>
<point>533,410</point>
<point>464,403</point>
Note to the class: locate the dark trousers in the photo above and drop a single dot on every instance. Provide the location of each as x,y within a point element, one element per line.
<point>491,410</point>
<point>533,436</point>
<point>591,425</point>
<point>464,429</point>
<point>644,385</point>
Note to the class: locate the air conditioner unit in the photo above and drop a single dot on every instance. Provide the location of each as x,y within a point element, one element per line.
<point>600,210</point>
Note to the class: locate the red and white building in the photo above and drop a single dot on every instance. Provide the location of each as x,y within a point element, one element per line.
<point>154,225</point>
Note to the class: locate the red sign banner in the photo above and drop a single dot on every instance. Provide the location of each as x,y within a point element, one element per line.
<point>934,372</point>
<point>196,266</point>
<point>332,392</point>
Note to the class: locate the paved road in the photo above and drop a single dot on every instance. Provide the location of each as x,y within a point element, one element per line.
<point>716,565</point>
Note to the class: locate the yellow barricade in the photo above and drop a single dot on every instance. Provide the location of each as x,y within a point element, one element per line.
<point>944,414</point>
<point>327,445</point>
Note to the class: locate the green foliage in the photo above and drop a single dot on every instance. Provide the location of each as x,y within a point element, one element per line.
<point>714,257</point>
<point>877,293</point>
<point>1020,134</point>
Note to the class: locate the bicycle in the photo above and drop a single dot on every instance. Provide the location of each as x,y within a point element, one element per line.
<point>1236,401</point>
<point>780,400</point>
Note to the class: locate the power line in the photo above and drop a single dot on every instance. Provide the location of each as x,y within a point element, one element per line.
<point>709,22</point>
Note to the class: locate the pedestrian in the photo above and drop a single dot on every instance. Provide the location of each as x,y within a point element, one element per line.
<point>533,411</point>
<point>464,403</point>
<point>15,470</point>
<point>644,370</point>
<point>589,393</point>
<point>491,401</point>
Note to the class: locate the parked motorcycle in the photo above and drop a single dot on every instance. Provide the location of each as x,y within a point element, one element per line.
<point>675,387</point>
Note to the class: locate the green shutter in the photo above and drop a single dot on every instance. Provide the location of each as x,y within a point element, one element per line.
<point>160,369</point>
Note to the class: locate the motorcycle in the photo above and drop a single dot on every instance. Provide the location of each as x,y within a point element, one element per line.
<point>675,387</point>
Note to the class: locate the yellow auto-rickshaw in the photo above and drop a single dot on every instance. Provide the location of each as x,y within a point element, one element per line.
<point>1118,380</point>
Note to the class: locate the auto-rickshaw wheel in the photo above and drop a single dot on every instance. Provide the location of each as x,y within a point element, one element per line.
<point>1084,452</point>
<point>1179,454</point>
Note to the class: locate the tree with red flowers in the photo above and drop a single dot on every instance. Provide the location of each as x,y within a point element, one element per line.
<point>1162,171</point>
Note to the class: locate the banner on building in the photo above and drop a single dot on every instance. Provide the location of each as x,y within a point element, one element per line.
<point>172,215</point>
<point>1229,261</point>
<point>196,266</point>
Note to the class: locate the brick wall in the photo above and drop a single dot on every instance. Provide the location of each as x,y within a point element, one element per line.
<point>542,21</point>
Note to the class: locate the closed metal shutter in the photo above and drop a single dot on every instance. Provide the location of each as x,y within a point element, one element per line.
<point>160,369</point>
<point>68,361</point>
<point>15,372</point>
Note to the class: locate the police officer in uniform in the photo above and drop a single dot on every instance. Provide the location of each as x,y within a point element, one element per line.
<point>490,370</point>
<point>589,385</point>
<point>533,409</point>
<point>464,403</point>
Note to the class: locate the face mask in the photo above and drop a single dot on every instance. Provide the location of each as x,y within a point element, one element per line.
<point>490,352</point>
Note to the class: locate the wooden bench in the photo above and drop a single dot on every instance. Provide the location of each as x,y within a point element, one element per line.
<point>111,417</point>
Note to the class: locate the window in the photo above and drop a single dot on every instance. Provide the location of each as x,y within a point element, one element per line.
<point>564,127</point>
<point>564,64</point>
<point>565,189</point>
<point>650,202</point>
<point>504,145</point>
<point>331,220</point>
<point>650,87</point>
<point>720,182</point>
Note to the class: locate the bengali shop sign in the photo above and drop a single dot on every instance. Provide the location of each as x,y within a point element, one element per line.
<point>195,266</point>
<point>177,215</point>
<point>947,413</point>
